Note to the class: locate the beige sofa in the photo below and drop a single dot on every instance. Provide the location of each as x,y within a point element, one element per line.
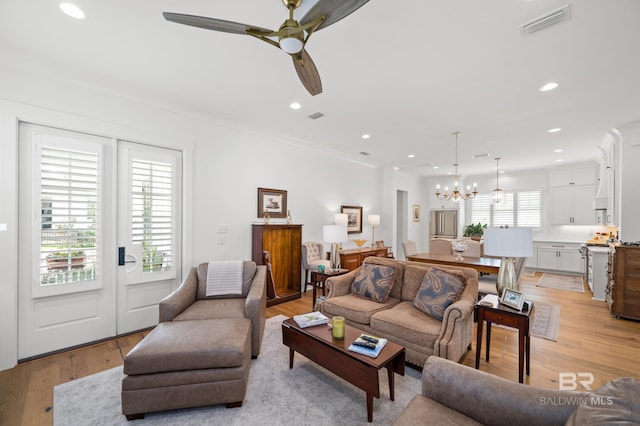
<point>398,320</point>
<point>454,394</point>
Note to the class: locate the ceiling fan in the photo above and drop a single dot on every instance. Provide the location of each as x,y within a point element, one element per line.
<point>291,37</point>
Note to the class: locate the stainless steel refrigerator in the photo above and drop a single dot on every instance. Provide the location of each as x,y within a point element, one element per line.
<point>443,224</point>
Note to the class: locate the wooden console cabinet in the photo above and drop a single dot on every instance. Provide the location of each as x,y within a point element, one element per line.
<point>623,287</point>
<point>284,244</point>
<point>353,258</point>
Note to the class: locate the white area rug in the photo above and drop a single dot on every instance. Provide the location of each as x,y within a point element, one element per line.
<point>562,282</point>
<point>305,395</point>
<point>546,321</point>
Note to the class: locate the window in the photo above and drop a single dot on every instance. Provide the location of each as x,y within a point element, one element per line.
<point>520,208</point>
<point>68,221</point>
<point>152,214</point>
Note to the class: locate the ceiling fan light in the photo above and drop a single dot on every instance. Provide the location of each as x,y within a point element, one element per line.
<point>291,45</point>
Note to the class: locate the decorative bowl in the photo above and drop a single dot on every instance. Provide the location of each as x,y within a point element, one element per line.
<point>360,242</point>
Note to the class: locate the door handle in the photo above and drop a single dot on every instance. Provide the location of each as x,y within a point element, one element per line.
<point>121,254</point>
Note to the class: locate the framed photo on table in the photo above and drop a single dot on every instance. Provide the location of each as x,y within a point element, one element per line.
<point>513,299</point>
<point>272,201</point>
<point>354,222</point>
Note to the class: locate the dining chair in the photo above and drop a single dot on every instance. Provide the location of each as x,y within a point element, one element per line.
<point>409,248</point>
<point>440,246</point>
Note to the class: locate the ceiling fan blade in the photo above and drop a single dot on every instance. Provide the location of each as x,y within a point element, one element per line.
<point>307,72</point>
<point>211,23</point>
<point>332,10</point>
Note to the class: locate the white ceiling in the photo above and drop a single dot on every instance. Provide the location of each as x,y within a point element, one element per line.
<point>407,72</point>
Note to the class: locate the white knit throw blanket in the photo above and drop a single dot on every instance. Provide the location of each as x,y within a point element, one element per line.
<point>224,277</point>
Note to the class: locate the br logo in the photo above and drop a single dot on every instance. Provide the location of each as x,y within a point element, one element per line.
<point>569,381</point>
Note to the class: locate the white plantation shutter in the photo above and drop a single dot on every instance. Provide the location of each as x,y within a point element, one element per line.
<point>152,213</point>
<point>529,214</point>
<point>503,212</point>
<point>69,220</point>
<point>481,209</point>
<point>523,208</point>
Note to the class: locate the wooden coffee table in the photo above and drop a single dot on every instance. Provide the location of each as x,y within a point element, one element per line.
<point>317,344</point>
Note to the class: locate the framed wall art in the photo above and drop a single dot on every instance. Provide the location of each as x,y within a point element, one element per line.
<point>272,201</point>
<point>354,224</point>
<point>416,213</point>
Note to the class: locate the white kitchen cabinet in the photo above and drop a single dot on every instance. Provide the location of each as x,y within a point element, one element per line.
<point>597,271</point>
<point>570,177</point>
<point>611,197</point>
<point>572,205</point>
<point>563,257</point>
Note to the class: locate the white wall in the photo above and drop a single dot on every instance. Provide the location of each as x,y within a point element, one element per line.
<point>224,166</point>
<point>628,200</point>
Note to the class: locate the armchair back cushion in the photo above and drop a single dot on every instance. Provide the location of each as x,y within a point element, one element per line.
<point>248,272</point>
<point>438,290</point>
<point>374,282</point>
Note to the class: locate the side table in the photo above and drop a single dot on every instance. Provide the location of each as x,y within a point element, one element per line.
<point>490,310</point>
<point>318,279</point>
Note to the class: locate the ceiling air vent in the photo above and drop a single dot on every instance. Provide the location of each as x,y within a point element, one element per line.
<point>546,20</point>
<point>316,115</point>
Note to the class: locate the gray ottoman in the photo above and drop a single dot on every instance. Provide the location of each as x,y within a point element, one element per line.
<point>183,364</point>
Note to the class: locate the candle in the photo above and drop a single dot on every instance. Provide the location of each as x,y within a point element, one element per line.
<point>338,328</point>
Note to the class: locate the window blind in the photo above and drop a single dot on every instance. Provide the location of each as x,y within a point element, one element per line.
<point>152,213</point>
<point>69,194</point>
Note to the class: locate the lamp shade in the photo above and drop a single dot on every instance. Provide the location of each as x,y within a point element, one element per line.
<point>341,218</point>
<point>373,219</point>
<point>508,242</point>
<point>3,227</point>
<point>335,233</point>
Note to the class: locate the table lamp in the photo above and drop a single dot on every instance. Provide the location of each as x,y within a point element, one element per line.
<point>373,220</point>
<point>508,243</point>
<point>334,234</point>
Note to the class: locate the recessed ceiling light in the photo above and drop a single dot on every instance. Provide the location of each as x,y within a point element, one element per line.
<point>559,160</point>
<point>72,10</point>
<point>554,130</point>
<point>295,105</point>
<point>366,136</point>
<point>396,168</point>
<point>549,86</point>
<point>436,167</point>
<point>411,155</point>
<point>557,150</point>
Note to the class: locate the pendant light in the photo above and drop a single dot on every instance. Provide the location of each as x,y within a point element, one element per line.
<point>497,195</point>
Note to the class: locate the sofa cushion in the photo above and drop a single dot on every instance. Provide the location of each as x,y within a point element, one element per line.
<point>190,345</point>
<point>248,272</point>
<point>408,324</point>
<point>420,409</point>
<point>413,276</point>
<point>617,402</point>
<point>213,309</point>
<point>438,290</point>
<point>354,308</point>
<point>399,266</point>
<point>374,282</point>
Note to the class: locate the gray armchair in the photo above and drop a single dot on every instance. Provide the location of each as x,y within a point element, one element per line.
<point>189,301</point>
<point>454,394</point>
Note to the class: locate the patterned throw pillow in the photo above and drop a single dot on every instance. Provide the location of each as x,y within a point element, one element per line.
<point>438,290</point>
<point>374,282</point>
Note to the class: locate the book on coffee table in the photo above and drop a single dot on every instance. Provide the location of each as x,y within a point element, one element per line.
<point>368,345</point>
<point>311,319</point>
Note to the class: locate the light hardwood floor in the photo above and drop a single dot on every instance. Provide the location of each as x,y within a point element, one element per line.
<point>589,340</point>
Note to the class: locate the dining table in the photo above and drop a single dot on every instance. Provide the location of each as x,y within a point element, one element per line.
<point>484,265</point>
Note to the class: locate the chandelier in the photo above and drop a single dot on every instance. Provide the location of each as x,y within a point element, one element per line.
<point>497,195</point>
<point>455,195</point>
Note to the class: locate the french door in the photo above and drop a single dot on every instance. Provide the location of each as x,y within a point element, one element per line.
<point>81,197</point>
